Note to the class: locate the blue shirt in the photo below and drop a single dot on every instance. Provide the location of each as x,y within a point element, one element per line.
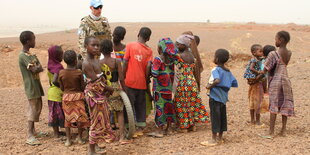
<point>220,92</point>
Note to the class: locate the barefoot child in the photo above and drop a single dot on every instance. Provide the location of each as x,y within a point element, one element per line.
<point>72,83</point>
<point>256,92</point>
<point>30,68</point>
<point>163,73</point>
<point>96,92</point>
<point>280,89</point>
<point>223,81</point>
<point>56,116</point>
<point>114,72</point>
<point>187,100</point>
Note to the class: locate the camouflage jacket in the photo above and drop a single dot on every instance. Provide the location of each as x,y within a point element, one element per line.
<point>89,27</point>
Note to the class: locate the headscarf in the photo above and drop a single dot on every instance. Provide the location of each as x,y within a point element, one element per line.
<point>167,46</point>
<point>185,39</point>
<point>54,64</point>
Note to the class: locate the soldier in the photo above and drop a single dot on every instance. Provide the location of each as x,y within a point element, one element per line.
<point>93,25</point>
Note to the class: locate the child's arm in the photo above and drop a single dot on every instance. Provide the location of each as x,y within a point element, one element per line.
<point>83,84</point>
<point>35,67</point>
<point>120,74</point>
<point>55,80</point>
<point>252,68</point>
<point>60,83</point>
<point>89,71</point>
<point>215,82</point>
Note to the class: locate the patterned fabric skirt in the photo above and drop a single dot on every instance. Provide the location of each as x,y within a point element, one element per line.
<point>165,112</point>
<point>115,101</point>
<point>188,104</point>
<point>255,96</point>
<point>281,96</point>
<point>100,127</point>
<point>74,109</point>
<point>56,114</point>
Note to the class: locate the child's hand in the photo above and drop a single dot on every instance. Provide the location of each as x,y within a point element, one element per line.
<point>208,86</point>
<point>251,81</point>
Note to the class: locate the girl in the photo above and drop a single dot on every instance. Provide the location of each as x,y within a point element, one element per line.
<point>96,92</point>
<point>113,70</point>
<point>56,115</point>
<point>163,73</point>
<point>72,83</point>
<point>118,47</point>
<point>187,101</point>
<point>280,89</point>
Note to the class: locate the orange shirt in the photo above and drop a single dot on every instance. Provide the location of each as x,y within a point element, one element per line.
<point>137,55</point>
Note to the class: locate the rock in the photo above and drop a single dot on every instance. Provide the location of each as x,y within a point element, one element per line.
<point>6,49</point>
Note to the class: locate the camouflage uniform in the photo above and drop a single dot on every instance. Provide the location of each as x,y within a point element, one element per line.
<point>89,27</point>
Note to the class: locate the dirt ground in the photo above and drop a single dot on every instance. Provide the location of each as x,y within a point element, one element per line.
<point>241,137</point>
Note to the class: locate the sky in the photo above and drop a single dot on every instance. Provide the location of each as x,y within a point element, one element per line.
<point>66,14</point>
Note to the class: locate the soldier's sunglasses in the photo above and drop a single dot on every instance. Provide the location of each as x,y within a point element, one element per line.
<point>98,7</point>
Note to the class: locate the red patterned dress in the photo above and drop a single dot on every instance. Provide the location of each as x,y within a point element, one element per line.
<point>187,100</point>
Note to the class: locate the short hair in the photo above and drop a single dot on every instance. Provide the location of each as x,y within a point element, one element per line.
<point>267,49</point>
<point>70,57</point>
<point>197,39</point>
<point>145,33</point>
<point>106,46</point>
<point>120,32</point>
<point>222,55</point>
<point>25,36</point>
<point>284,35</point>
<point>255,47</point>
<point>87,39</point>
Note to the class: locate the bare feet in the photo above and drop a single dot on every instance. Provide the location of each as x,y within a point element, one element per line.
<point>81,141</point>
<point>282,133</point>
<point>192,128</point>
<point>183,130</point>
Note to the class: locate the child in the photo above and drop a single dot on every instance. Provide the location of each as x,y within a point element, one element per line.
<point>256,91</point>
<point>223,81</point>
<point>56,114</point>
<point>198,66</point>
<point>137,64</point>
<point>187,100</point>
<point>280,89</point>
<point>72,83</point>
<point>266,50</point>
<point>30,68</point>
<point>163,73</point>
<point>96,92</point>
<point>114,73</point>
<point>118,47</point>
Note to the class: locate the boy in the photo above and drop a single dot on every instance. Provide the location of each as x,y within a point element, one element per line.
<point>256,90</point>
<point>30,68</point>
<point>223,80</point>
<point>137,67</point>
<point>96,93</point>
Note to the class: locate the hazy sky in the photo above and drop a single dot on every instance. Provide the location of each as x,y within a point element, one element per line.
<point>66,14</point>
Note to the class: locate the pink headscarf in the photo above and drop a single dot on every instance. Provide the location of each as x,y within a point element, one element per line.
<point>185,39</point>
<point>54,63</point>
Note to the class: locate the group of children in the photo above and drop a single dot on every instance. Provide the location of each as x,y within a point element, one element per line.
<point>267,76</point>
<point>87,97</point>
